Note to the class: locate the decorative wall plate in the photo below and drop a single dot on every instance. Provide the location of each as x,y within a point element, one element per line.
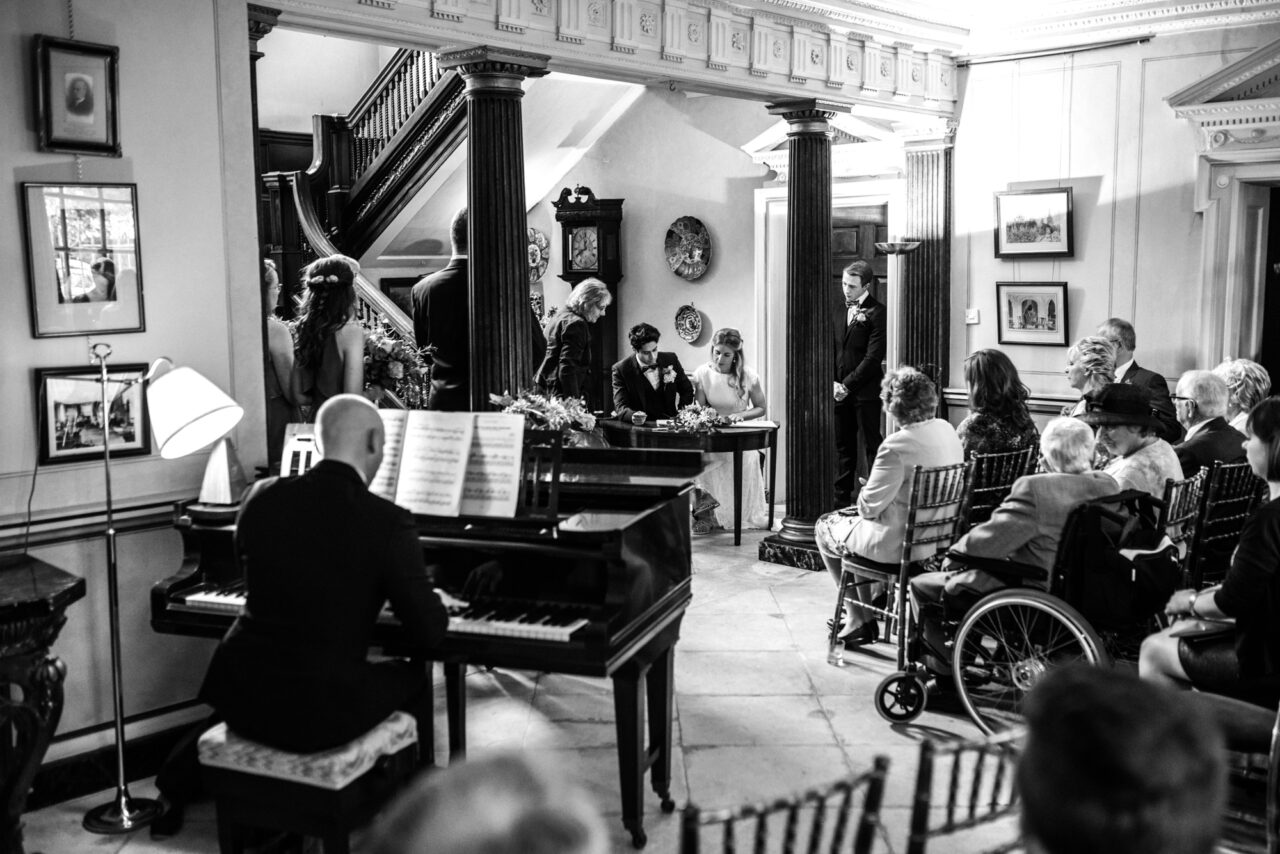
<point>688,247</point>
<point>688,323</point>
<point>539,250</point>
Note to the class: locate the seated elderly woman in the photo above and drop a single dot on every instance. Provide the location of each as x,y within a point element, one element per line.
<point>1247,383</point>
<point>1241,661</point>
<point>1128,431</point>
<point>875,526</point>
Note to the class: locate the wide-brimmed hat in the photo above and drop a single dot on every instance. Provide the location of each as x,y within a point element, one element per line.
<point>1118,403</point>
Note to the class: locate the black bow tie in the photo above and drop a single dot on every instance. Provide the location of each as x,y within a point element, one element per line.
<point>652,369</point>
<point>851,303</point>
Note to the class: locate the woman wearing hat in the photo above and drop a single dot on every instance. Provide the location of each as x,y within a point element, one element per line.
<point>1128,429</point>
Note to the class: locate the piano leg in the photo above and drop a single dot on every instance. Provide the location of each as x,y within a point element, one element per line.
<point>628,706</point>
<point>455,703</point>
<point>658,691</point>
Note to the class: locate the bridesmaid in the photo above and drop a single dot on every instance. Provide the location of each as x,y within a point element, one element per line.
<point>329,349</point>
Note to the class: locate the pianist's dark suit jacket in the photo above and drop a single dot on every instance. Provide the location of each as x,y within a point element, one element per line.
<point>1217,440</point>
<point>321,555</point>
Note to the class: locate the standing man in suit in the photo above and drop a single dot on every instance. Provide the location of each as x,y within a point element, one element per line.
<point>321,555</point>
<point>441,321</point>
<point>860,348</point>
<point>1120,333</point>
<point>1201,402</point>
<point>649,381</point>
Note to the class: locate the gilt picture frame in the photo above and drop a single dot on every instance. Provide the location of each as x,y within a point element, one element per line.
<point>77,96</point>
<point>1034,224</point>
<point>1032,313</point>
<point>70,413</point>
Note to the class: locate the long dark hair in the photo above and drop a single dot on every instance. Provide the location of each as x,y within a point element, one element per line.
<point>327,304</point>
<point>995,388</point>
<point>1264,422</point>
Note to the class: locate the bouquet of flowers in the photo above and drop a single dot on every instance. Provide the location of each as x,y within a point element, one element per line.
<point>548,412</point>
<point>696,418</point>
<point>395,366</point>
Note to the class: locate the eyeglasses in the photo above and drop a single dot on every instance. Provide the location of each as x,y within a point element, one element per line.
<point>1180,397</point>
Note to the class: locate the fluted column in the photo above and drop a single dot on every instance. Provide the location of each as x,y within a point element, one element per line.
<point>501,330</point>
<point>926,279</point>
<point>809,422</point>
<point>262,20</point>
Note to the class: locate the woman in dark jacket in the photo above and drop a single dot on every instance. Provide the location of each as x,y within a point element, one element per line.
<point>564,368</point>
<point>1243,662</point>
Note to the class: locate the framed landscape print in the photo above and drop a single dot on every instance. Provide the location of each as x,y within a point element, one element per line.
<point>1034,224</point>
<point>77,95</point>
<point>71,417</point>
<point>84,263</point>
<point>1032,313</point>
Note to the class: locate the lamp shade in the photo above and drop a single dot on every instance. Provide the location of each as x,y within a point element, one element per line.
<point>188,412</point>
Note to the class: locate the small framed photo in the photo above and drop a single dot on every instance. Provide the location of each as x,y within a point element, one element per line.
<point>1032,313</point>
<point>84,262</point>
<point>1034,224</point>
<point>77,96</point>
<point>72,423</point>
<point>400,291</point>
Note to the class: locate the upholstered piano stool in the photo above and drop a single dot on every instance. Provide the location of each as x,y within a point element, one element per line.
<point>324,795</point>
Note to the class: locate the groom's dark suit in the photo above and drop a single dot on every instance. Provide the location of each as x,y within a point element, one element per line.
<point>860,348</point>
<point>632,391</point>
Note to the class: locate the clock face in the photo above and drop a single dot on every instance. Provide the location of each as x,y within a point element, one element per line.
<point>584,249</point>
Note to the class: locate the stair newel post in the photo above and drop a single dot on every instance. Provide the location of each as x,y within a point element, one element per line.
<point>501,323</point>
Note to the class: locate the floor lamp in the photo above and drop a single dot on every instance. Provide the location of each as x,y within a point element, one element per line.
<point>185,415</point>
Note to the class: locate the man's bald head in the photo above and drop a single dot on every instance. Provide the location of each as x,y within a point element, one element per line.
<point>349,430</point>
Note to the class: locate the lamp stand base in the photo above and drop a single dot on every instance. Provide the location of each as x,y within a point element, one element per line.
<point>124,814</point>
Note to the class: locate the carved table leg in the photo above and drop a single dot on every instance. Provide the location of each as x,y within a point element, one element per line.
<point>30,706</point>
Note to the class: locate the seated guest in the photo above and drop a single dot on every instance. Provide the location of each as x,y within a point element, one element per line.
<point>875,527</point>
<point>998,421</point>
<point>1120,333</point>
<point>1115,766</point>
<point>649,381</point>
<point>501,804</point>
<point>1243,662</point>
<point>1248,383</point>
<point>1091,366</point>
<point>1201,401</point>
<point>1127,429</point>
<point>321,555</point>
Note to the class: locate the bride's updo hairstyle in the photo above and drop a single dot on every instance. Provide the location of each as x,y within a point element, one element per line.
<point>328,302</point>
<point>732,338</point>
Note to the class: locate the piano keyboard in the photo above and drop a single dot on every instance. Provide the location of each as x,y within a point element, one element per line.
<point>224,600</point>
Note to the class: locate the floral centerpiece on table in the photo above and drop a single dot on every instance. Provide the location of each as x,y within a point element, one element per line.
<point>696,418</point>
<point>547,411</point>
<point>395,366</point>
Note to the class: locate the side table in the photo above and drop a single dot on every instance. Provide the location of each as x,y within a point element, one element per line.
<point>33,599</point>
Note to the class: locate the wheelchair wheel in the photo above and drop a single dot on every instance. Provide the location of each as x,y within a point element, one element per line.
<point>901,697</point>
<point>1007,642</point>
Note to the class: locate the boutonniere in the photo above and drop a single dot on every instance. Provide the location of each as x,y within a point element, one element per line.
<point>860,316</point>
<point>669,374</point>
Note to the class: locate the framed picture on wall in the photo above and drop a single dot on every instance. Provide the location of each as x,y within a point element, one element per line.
<point>71,418</point>
<point>1034,224</point>
<point>84,263</point>
<point>77,96</point>
<point>400,290</point>
<point>1032,313</point>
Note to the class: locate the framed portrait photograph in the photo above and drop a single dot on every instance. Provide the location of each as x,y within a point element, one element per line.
<point>1034,224</point>
<point>1032,313</point>
<point>72,423</point>
<point>77,96</point>
<point>84,262</point>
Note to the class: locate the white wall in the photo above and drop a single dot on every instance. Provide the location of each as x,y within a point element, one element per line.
<point>303,74</point>
<point>1097,122</point>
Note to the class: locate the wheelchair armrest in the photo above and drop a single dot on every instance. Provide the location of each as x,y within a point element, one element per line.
<point>999,566</point>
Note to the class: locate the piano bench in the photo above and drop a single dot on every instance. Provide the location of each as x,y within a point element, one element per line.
<point>324,795</point>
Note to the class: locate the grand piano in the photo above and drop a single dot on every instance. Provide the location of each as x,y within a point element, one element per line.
<point>597,587</point>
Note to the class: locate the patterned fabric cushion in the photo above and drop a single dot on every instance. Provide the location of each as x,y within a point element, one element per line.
<point>330,769</point>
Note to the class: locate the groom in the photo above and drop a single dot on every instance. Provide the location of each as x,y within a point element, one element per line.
<point>649,382</point>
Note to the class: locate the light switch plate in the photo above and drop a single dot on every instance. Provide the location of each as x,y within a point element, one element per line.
<point>971,315</point>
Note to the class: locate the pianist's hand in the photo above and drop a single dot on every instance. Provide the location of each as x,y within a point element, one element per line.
<point>451,603</point>
<point>484,580</point>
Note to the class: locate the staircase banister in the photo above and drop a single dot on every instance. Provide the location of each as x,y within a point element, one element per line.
<point>398,61</point>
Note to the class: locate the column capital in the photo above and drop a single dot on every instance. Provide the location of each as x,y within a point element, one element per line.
<point>487,60</point>
<point>262,20</point>
<point>806,110</point>
<point>934,138</point>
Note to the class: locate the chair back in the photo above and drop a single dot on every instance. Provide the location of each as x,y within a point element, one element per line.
<point>961,785</point>
<point>935,513</point>
<point>992,480</point>
<point>540,484</point>
<point>1251,820</point>
<point>1181,509</point>
<point>813,821</point>
<point>1229,495</point>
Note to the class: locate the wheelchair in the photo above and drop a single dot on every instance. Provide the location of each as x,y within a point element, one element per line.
<point>1114,571</point>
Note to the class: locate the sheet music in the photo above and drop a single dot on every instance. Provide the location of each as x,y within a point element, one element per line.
<point>384,480</point>
<point>493,472</point>
<point>434,461</point>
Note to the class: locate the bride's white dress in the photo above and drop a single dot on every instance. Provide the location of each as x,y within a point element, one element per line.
<point>718,478</point>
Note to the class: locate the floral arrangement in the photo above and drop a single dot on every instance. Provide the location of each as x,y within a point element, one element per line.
<point>545,411</point>
<point>696,418</point>
<point>396,367</point>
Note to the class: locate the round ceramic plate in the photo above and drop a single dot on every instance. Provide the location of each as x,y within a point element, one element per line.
<point>688,247</point>
<point>688,323</point>
<point>538,251</point>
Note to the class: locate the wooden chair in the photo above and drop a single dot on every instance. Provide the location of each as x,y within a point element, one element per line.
<point>812,821</point>
<point>1251,821</point>
<point>1182,502</point>
<point>961,785</point>
<point>1228,498</point>
<point>933,523</point>
<point>540,492</point>
<point>992,479</point>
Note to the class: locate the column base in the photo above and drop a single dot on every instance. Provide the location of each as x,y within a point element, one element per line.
<point>779,549</point>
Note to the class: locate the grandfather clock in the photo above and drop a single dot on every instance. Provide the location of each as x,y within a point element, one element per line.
<point>590,238</point>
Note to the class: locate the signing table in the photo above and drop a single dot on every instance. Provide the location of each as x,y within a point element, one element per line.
<point>747,437</point>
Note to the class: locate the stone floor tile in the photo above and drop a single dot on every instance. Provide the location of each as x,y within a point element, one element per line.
<point>711,720</point>
<point>729,776</point>
<point>736,632</point>
<point>732,672</point>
